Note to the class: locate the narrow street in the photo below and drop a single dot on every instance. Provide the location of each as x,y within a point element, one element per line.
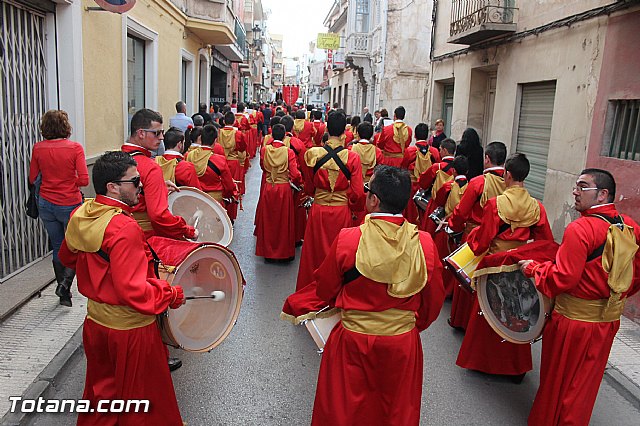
<point>265,372</point>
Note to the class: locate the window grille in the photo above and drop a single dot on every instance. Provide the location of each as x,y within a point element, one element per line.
<point>624,129</point>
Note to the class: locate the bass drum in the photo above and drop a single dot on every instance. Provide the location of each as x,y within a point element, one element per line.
<point>204,213</point>
<point>513,306</point>
<point>200,324</point>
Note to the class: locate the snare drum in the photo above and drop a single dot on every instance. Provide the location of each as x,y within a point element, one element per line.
<point>513,306</point>
<point>204,213</point>
<point>463,263</point>
<point>320,328</point>
<point>201,324</point>
<point>421,198</point>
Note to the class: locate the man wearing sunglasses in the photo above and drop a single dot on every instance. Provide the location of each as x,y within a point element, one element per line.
<point>125,355</point>
<point>152,212</point>
<point>590,280</point>
<point>386,277</point>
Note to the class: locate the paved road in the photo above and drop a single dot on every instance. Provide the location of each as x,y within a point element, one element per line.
<point>265,372</point>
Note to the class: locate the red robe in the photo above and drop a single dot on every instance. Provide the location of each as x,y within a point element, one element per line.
<point>360,214</point>
<point>348,134</point>
<point>412,213</point>
<point>370,379</point>
<point>275,230</point>
<point>470,211</point>
<point>482,348</point>
<point>320,130</point>
<point>300,213</point>
<point>324,222</point>
<point>124,364</point>
<point>211,181</point>
<point>392,150</point>
<point>236,169</point>
<point>575,353</point>
<point>154,201</point>
<point>307,134</point>
<point>426,181</point>
<point>243,124</point>
<point>185,172</point>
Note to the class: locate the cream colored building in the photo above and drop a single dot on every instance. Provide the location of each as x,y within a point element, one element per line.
<point>277,70</point>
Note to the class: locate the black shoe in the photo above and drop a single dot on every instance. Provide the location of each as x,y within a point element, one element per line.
<point>174,364</point>
<point>453,326</point>
<point>517,378</point>
<point>299,243</point>
<point>63,291</point>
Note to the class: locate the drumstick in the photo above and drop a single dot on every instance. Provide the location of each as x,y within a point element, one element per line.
<point>216,295</point>
<point>197,215</point>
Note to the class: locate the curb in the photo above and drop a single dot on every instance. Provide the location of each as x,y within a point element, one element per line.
<point>623,385</point>
<point>46,378</point>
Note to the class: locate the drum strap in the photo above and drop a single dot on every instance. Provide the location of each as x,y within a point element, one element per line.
<point>156,259</point>
<point>600,249</point>
<point>351,275</point>
<point>448,166</point>
<point>332,154</point>
<point>215,168</point>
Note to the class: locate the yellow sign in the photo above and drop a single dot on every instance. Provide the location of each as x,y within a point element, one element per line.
<point>328,41</point>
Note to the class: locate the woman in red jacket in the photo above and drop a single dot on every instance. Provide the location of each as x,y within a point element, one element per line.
<point>62,167</point>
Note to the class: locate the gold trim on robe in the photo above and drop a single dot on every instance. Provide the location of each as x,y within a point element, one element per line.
<point>423,162</point>
<point>599,310</point>
<point>168,168</point>
<point>86,227</point>
<point>391,322</point>
<point>400,134</point>
<point>367,154</point>
<point>276,164</point>
<point>199,157</point>
<point>117,317</point>
<point>493,186</point>
<point>517,208</point>
<point>227,139</point>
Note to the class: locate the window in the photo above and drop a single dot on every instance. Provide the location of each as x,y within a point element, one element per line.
<point>447,108</point>
<point>362,16</point>
<point>622,131</point>
<point>186,79</point>
<point>135,74</point>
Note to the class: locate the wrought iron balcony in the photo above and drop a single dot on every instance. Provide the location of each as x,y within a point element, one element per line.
<point>475,21</point>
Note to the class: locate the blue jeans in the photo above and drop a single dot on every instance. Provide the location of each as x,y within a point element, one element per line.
<point>54,219</point>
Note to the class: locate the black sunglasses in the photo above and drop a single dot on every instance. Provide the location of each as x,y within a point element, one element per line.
<point>368,189</point>
<point>157,133</point>
<point>135,181</point>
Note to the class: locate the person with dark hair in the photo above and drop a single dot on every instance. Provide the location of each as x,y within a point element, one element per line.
<point>267,113</point>
<point>348,133</point>
<point>335,181</point>
<point>126,359</point>
<point>395,294</point>
<point>382,115</point>
<point>370,156</point>
<point>172,163</point>
<point>508,221</point>
<point>395,139</point>
<point>468,214</point>
<point>152,212</point>
<point>202,111</point>
<point>253,132</point>
<point>58,169</point>
<point>212,169</point>
<point>318,126</point>
<point>355,122</point>
<point>434,178</point>
<point>590,281</point>
<point>417,159</point>
<point>471,148</point>
<point>299,149</point>
<point>181,121</point>
<point>303,129</point>
<point>280,113</point>
<point>234,144</point>
<point>276,239</point>
<point>438,134</point>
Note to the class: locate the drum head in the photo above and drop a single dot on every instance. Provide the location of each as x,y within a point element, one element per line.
<point>208,216</point>
<point>202,324</point>
<point>512,305</point>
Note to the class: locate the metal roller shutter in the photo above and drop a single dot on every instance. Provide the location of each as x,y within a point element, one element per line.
<point>534,132</point>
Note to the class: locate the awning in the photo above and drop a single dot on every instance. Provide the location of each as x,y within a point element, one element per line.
<point>210,32</point>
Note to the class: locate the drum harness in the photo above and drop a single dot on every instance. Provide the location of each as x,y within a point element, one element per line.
<point>332,154</point>
<point>616,221</point>
<point>156,260</point>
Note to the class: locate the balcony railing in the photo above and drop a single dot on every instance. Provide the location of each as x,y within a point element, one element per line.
<point>358,44</point>
<point>474,21</point>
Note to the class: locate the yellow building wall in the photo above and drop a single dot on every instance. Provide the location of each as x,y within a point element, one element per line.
<point>105,94</point>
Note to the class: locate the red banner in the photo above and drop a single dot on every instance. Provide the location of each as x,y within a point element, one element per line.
<point>290,94</point>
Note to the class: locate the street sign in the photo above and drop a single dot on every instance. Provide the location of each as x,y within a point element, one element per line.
<point>116,6</point>
<point>328,41</point>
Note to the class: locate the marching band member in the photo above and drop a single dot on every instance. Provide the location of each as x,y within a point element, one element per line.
<point>319,127</point>
<point>125,354</point>
<point>303,129</point>
<point>335,182</point>
<point>372,364</point>
<point>370,156</point>
<point>434,177</point>
<point>152,212</point>
<point>595,271</point>
<point>212,169</point>
<point>395,139</point>
<point>299,149</point>
<point>234,144</point>
<point>468,214</point>
<point>509,221</point>
<point>276,240</point>
<point>172,163</point>
<point>417,159</point>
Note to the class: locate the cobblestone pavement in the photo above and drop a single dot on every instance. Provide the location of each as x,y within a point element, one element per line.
<point>32,336</point>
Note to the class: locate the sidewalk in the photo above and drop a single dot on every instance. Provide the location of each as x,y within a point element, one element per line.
<point>37,340</point>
